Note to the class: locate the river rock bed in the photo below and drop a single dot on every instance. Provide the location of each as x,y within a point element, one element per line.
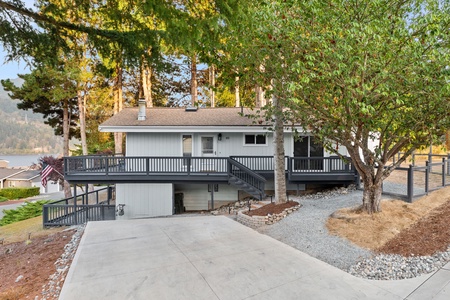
<point>394,267</point>
<point>54,285</point>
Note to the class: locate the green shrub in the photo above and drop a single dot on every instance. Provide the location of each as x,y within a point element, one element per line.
<point>24,212</point>
<point>18,193</point>
<point>3,199</point>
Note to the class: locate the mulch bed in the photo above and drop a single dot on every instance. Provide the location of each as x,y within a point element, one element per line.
<point>429,235</point>
<point>271,208</point>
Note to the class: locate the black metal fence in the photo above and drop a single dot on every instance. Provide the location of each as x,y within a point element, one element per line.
<point>419,180</point>
<point>80,209</point>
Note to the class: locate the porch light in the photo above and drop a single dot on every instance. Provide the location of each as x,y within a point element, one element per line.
<point>120,211</point>
<point>219,137</point>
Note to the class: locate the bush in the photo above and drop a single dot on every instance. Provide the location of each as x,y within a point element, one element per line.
<point>3,199</point>
<point>17,193</point>
<point>24,212</point>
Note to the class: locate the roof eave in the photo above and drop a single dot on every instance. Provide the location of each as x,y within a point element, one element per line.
<point>175,129</point>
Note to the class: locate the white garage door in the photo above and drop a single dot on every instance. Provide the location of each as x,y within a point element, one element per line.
<point>145,200</point>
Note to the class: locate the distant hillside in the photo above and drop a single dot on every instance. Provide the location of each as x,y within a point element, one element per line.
<point>23,132</point>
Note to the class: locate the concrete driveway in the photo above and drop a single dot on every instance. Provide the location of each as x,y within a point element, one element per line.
<point>207,258</point>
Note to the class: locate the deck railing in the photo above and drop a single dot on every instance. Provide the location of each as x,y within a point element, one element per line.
<point>333,164</point>
<point>144,165</point>
<point>108,165</point>
<point>259,163</point>
<point>79,209</point>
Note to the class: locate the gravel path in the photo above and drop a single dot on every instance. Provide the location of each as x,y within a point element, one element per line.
<point>305,229</point>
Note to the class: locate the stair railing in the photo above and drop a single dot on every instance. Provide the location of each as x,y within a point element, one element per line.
<point>241,172</point>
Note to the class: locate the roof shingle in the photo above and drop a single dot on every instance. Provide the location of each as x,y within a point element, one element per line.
<point>163,116</point>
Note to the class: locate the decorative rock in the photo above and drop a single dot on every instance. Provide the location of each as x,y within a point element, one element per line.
<point>52,289</point>
<point>394,267</point>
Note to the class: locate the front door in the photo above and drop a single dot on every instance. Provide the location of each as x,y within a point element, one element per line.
<point>208,146</point>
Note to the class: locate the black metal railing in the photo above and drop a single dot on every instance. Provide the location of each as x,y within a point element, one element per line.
<point>144,165</point>
<point>241,172</point>
<point>80,209</point>
<point>259,163</point>
<point>332,164</point>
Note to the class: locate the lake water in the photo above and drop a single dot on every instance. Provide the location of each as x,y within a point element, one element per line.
<point>23,160</point>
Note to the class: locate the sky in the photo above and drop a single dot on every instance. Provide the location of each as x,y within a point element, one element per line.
<point>11,69</point>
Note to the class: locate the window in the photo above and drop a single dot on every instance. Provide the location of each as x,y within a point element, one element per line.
<point>255,139</point>
<point>187,145</point>
<point>187,148</point>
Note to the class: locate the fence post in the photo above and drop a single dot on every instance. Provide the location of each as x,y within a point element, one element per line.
<point>443,171</point>
<point>45,214</point>
<point>427,176</point>
<point>410,185</point>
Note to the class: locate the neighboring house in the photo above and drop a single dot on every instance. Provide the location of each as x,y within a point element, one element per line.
<point>189,160</point>
<point>26,178</point>
<point>18,177</point>
<point>6,173</point>
<point>31,178</point>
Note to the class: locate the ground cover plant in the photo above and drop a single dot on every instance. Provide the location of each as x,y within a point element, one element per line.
<point>26,211</point>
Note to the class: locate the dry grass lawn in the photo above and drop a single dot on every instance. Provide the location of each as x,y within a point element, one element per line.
<point>373,231</point>
<point>23,230</point>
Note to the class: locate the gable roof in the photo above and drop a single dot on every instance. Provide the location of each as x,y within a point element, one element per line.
<point>166,119</point>
<point>6,172</point>
<point>26,175</point>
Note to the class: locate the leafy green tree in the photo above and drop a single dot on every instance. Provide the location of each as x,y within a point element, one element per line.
<point>371,76</point>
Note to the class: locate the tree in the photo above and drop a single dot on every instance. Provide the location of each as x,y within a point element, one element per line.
<point>52,92</point>
<point>362,73</point>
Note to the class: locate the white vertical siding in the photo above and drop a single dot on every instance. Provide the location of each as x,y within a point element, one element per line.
<point>233,144</point>
<point>197,197</point>
<point>154,144</point>
<point>145,200</point>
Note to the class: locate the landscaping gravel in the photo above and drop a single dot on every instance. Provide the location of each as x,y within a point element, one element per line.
<point>305,230</point>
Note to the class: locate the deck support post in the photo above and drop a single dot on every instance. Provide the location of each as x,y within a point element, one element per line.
<point>75,203</point>
<point>87,194</point>
<point>212,195</point>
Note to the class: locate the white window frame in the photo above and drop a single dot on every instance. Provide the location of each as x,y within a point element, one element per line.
<point>254,145</point>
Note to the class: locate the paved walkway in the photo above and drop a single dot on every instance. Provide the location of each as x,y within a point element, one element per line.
<point>216,258</point>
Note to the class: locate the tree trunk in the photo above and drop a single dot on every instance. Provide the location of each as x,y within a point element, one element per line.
<point>279,164</point>
<point>212,83</point>
<point>82,117</point>
<point>372,196</point>
<point>118,103</point>
<point>259,93</point>
<point>194,96</point>
<point>147,84</point>
<point>236,91</point>
<point>67,190</point>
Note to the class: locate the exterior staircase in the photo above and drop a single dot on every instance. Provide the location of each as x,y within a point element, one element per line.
<point>246,179</point>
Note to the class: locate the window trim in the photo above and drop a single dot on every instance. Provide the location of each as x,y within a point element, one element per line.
<point>255,144</point>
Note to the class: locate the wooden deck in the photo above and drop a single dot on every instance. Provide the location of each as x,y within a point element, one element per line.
<point>111,169</point>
